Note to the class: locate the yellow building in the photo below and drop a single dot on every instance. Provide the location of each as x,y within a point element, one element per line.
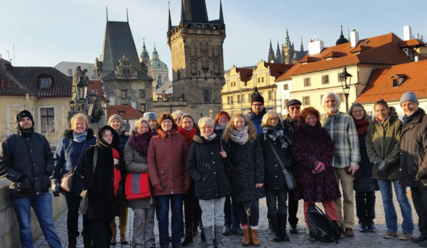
<point>240,83</point>
<point>319,71</point>
<point>44,91</point>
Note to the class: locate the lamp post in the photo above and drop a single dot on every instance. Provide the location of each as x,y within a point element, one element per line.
<point>81,94</point>
<point>345,86</point>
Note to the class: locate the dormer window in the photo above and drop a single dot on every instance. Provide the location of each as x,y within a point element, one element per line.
<point>398,79</point>
<point>45,82</point>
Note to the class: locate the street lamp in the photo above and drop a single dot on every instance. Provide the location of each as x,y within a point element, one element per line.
<point>81,89</point>
<point>345,86</point>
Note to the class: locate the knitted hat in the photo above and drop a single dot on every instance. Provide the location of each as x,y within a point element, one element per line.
<point>256,96</point>
<point>293,102</point>
<point>149,116</point>
<point>24,113</point>
<point>118,117</point>
<point>409,97</point>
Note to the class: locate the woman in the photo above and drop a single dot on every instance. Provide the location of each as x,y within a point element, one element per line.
<point>177,115</point>
<point>151,118</point>
<point>191,204</point>
<point>247,184</point>
<point>278,137</point>
<point>99,184</point>
<point>364,185</point>
<point>69,156</point>
<point>231,218</point>
<point>313,151</point>
<point>167,157</point>
<point>206,166</point>
<point>116,122</point>
<point>135,155</point>
<point>383,145</point>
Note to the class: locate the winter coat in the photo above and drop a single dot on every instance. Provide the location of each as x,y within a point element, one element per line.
<point>249,162</point>
<point>68,153</point>
<point>256,120</point>
<point>206,166</point>
<point>136,164</point>
<point>365,182</point>
<point>290,123</point>
<point>413,147</point>
<point>308,149</point>
<point>99,184</point>
<point>124,137</point>
<point>31,158</point>
<point>167,159</point>
<point>383,143</point>
<point>274,177</point>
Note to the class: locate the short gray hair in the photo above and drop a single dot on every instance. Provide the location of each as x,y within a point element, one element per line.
<point>331,94</point>
<point>205,120</point>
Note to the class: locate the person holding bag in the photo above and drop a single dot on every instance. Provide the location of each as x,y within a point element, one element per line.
<point>69,156</point>
<point>135,155</point>
<point>276,143</point>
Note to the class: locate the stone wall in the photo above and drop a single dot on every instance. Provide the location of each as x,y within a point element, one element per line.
<point>9,229</point>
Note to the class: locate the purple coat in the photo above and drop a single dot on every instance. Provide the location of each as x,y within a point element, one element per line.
<point>311,144</point>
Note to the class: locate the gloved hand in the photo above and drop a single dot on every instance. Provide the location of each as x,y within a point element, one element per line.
<point>382,169</point>
<point>318,167</point>
<point>159,187</point>
<point>382,165</point>
<point>420,175</point>
<point>55,187</point>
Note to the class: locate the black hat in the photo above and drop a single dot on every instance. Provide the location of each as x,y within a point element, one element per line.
<point>293,102</point>
<point>256,96</point>
<point>24,113</point>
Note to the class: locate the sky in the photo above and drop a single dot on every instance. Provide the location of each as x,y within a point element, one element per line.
<point>46,32</point>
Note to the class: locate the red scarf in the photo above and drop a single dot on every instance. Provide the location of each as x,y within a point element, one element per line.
<point>117,174</point>
<point>188,135</point>
<point>361,126</point>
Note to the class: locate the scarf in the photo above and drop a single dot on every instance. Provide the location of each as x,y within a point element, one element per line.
<point>275,133</point>
<point>213,135</point>
<point>220,128</point>
<point>79,138</point>
<point>313,131</point>
<point>361,126</point>
<point>382,121</point>
<point>406,119</point>
<point>140,142</point>
<point>188,135</point>
<point>240,137</point>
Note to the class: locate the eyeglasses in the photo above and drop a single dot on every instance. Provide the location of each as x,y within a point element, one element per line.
<point>294,107</point>
<point>223,119</point>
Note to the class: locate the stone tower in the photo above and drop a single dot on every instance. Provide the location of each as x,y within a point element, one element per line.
<point>197,58</point>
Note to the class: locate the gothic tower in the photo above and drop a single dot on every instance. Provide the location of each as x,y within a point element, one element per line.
<point>270,54</point>
<point>197,58</point>
<point>278,55</point>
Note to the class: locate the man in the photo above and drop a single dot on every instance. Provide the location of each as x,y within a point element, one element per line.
<point>343,132</point>
<point>294,108</point>
<point>258,110</point>
<point>27,161</point>
<point>413,159</point>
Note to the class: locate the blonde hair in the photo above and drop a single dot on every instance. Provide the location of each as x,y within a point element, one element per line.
<point>267,115</point>
<point>205,120</point>
<point>230,127</point>
<point>138,124</point>
<point>177,113</point>
<point>79,117</point>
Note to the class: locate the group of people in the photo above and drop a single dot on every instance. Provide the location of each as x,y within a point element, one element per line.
<point>219,169</point>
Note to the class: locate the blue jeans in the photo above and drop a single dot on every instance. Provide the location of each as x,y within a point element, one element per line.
<point>390,211</point>
<point>42,205</point>
<point>276,202</point>
<point>163,219</point>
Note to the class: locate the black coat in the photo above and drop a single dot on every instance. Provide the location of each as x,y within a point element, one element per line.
<point>274,177</point>
<point>31,158</point>
<point>206,167</point>
<point>99,184</point>
<point>249,162</point>
<point>365,182</point>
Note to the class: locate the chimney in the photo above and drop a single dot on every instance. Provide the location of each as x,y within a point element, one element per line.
<point>407,33</point>
<point>354,38</point>
<point>315,47</point>
<point>416,59</point>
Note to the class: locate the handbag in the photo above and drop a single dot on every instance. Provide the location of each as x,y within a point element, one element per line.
<point>289,177</point>
<point>66,183</point>
<point>137,186</point>
<point>84,201</point>
<point>230,169</point>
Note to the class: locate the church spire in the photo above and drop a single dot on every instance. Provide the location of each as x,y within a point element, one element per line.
<point>270,53</point>
<point>221,16</point>
<point>302,45</point>
<point>194,11</point>
<point>278,55</point>
<point>182,12</point>
<point>144,53</point>
<point>170,20</point>
<point>287,41</point>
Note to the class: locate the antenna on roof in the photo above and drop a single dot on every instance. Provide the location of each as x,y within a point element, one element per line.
<point>127,14</point>
<point>106,11</point>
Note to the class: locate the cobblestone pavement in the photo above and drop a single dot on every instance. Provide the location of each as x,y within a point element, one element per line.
<point>266,236</point>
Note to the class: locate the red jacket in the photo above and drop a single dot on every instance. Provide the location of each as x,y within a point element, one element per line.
<point>167,162</point>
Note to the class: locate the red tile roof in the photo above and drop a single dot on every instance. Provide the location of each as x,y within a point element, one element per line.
<point>287,75</point>
<point>95,86</point>
<point>277,69</point>
<point>411,43</point>
<point>125,111</point>
<point>245,74</point>
<point>9,85</point>
<point>380,84</point>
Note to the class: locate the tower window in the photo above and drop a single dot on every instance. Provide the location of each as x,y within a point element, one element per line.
<point>124,94</point>
<point>206,96</point>
<point>142,93</point>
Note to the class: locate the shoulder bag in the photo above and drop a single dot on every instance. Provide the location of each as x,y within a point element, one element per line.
<point>230,169</point>
<point>66,183</point>
<point>290,180</point>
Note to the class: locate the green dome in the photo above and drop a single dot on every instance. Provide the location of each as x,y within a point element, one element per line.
<point>158,64</point>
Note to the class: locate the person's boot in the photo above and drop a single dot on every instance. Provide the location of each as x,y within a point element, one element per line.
<point>188,236</point>
<point>294,229</point>
<point>275,224</point>
<point>218,237</point>
<point>246,236</point>
<point>72,240</point>
<point>202,233</point>
<point>270,225</point>
<point>87,240</point>
<point>282,226</point>
<point>208,236</point>
<point>254,237</point>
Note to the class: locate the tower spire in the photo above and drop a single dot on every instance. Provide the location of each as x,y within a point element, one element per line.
<point>170,19</point>
<point>182,12</point>
<point>127,14</point>
<point>106,12</point>
<point>302,45</point>
<point>221,16</point>
<point>270,53</point>
<point>287,41</point>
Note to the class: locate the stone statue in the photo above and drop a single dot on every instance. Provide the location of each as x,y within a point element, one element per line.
<point>127,125</point>
<point>97,110</point>
<point>211,113</point>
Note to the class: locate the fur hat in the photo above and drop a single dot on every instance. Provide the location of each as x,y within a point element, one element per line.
<point>257,97</point>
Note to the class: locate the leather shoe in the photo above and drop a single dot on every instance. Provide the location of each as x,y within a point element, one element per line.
<point>294,229</point>
<point>419,238</point>
<point>349,232</point>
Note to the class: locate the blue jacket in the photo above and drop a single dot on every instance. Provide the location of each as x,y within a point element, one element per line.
<point>256,120</point>
<point>67,156</point>
<point>123,140</point>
